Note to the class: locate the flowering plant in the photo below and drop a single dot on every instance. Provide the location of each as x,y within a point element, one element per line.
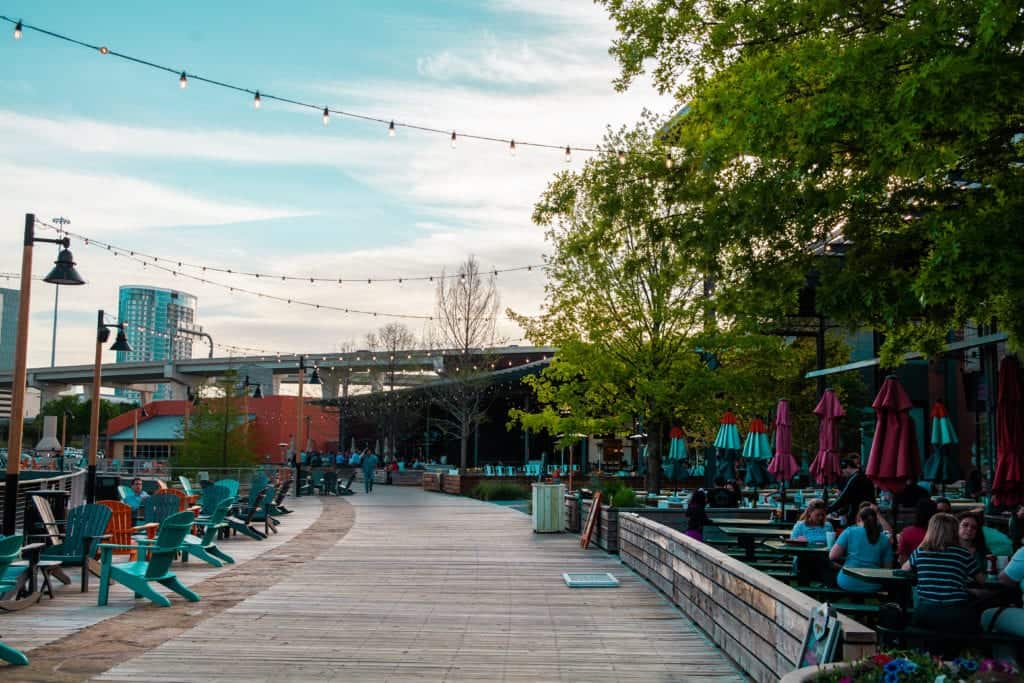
<point>920,667</point>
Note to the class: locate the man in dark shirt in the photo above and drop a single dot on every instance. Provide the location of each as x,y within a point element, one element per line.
<point>908,497</point>
<point>857,490</point>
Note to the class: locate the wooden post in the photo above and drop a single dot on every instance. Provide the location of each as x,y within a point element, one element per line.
<point>18,381</point>
<point>298,431</point>
<point>94,415</point>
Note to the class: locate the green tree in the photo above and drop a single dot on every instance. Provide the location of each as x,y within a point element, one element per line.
<point>626,307</point>
<point>217,433</point>
<point>81,413</point>
<point>897,123</point>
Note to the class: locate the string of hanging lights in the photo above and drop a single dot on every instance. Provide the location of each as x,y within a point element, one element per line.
<point>259,96</point>
<point>202,267</point>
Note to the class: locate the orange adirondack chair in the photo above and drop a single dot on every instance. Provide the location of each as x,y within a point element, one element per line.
<point>120,526</point>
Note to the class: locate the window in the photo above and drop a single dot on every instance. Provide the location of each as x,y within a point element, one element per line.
<point>150,452</point>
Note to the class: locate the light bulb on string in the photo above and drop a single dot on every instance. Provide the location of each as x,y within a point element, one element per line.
<point>668,160</point>
<point>256,100</point>
<point>512,147</point>
<point>17,31</point>
<point>327,116</point>
<point>391,130</point>
<point>453,139</point>
<point>183,81</point>
<point>622,158</point>
<point>568,154</point>
<point>104,50</point>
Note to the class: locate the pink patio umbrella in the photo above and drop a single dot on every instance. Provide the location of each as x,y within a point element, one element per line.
<point>894,456</point>
<point>825,467</point>
<point>783,466</point>
<point>1008,482</point>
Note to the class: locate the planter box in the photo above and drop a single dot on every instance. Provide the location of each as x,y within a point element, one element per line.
<point>407,478</point>
<point>463,484</point>
<point>757,621</point>
<point>431,481</point>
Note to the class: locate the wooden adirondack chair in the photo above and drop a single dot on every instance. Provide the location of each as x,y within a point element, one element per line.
<point>86,527</point>
<point>186,486</point>
<point>121,527</point>
<point>161,485</point>
<point>14,574</point>
<point>52,532</point>
<point>123,492</point>
<point>140,574</point>
<point>205,548</point>
<point>264,514</point>
<point>10,550</point>
<point>213,496</point>
<point>244,525</point>
<point>182,498</point>
<point>231,485</point>
<point>155,509</point>
<point>277,507</point>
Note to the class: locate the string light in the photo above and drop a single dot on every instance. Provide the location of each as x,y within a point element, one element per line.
<point>104,50</point>
<point>668,160</point>
<point>327,116</point>
<point>17,30</point>
<point>391,129</point>
<point>453,139</point>
<point>512,147</point>
<point>256,100</point>
<point>622,157</point>
<point>568,154</point>
<point>183,81</point>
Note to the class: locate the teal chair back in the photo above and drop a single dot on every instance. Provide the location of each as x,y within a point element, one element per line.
<point>10,550</point>
<point>259,482</point>
<point>158,508</point>
<point>231,485</point>
<point>169,538</point>
<point>85,521</point>
<point>212,498</point>
<point>216,519</point>
<point>123,492</point>
<point>186,485</point>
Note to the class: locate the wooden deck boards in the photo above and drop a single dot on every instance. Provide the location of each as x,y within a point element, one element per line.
<point>433,587</point>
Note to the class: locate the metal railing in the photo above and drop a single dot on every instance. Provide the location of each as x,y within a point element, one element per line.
<point>72,482</point>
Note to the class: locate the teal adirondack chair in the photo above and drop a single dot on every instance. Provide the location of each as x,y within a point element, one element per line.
<point>231,485</point>
<point>155,509</point>
<point>264,512</point>
<point>277,506</point>
<point>123,492</point>
<point>243,525</point>
<point>86,526</point>
<point>186,486</point>
<point>205,548</point>
<point>140,574</point>
<point>10,550</point>
<point>212,498</point>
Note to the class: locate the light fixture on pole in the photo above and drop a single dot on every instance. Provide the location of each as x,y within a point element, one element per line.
<point>61,221</point>
<point>63,273</point>
<point>120,344</point>
<point>64,434</point>
<point>313,379</point>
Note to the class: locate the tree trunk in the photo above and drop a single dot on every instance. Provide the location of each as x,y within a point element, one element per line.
<point>655,443</point>
<point>463,449</point>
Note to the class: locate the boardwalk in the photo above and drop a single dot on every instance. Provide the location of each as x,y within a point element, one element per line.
<point>428,587</point>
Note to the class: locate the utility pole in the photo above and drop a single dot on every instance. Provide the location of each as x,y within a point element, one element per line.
<point>60,221</point>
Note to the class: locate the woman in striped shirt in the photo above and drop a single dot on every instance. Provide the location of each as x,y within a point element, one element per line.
<point>943,571</point>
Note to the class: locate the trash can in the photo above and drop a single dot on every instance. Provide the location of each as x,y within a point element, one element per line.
<point>548,508</point>
<point>58,500</point>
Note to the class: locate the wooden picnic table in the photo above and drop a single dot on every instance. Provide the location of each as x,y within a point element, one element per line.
<point>747,536</point>
<point>809,549</point>
<point>738,522</point>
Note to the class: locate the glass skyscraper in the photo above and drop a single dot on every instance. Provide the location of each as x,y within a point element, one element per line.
<point>153,318</point>
<point>9,300</point>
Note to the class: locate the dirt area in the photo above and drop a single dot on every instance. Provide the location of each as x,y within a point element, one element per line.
<point>95,649</point>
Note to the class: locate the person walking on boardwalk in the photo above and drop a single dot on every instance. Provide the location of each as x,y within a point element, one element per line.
<point>369,465</point>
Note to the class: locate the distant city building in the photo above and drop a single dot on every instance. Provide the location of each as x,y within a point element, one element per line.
<point>9,300</point>
<point>153,317</point>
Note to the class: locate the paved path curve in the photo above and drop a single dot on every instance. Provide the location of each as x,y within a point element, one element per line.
<point>430,587</point>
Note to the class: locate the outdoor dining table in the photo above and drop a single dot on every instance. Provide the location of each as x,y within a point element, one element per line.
<point>739,521</point>
<point>748,536</point>
<point>898,582</point>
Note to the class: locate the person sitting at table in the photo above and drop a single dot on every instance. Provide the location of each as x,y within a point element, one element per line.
<point>942,504</point>
<point>721,496</point>
<point>943,569</point>
<point>1007,619</point>
<point>866,545</point>
<point>971,538</point>
<point>912,535</point>
<point>911,493</point>
<point>812,526</point>
<point>696,515</point>
<point>136,495</point>
<point>858,489</point>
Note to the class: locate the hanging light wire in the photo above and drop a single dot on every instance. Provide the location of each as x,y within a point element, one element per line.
<point>186,76</point>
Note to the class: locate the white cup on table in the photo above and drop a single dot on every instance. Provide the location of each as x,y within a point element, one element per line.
<point>830,539</point>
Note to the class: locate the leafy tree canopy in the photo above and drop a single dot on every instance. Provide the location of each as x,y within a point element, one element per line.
<point>895,123</point>
<point>217,433</point>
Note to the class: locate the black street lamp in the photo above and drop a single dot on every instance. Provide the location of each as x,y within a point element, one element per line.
<point>300,446</point>
<point>63,273</point>
<point>120,344</point>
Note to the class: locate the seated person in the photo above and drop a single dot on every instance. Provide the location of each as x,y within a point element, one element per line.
<point>721,496</point>
<point>355,460</point>
<point>971,538</point>
<point>136,496</point>
<point>908,497</point>
<point>944,568</point>
<point>1007,619</point>
<point>813,528</point>
<point>942,504</point>
<point>865,545</point>
<point>912,535</point>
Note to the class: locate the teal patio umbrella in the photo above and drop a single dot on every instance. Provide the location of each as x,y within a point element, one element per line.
<point>757,452</point>
<point>675,463</point>
<point>942,466</point>
<point>727,444</point>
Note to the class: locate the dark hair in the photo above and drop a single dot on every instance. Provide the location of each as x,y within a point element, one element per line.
<point>698,500</point>
<point>869,520</point>
<point>980,546</point>
<point>926,507</point>
<point>849,463</point>
<point>720,482</point>
<point>136,479</point>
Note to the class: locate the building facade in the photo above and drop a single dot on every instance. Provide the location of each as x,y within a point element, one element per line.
<point>153,317</point>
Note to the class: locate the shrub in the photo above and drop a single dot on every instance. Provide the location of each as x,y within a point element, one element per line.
<point>499,490</point>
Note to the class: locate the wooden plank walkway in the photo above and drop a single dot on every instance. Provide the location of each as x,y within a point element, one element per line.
<point>429,587</point>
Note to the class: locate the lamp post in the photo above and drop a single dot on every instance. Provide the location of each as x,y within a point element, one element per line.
<point>120,344</point>
<point>61,221</point>
<point>313,379</point>
<point>64,436</point>
<point>63,273</point>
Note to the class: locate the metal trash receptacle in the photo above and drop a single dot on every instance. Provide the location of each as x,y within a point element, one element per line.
<point>548,508</point>
<point>58,500</point>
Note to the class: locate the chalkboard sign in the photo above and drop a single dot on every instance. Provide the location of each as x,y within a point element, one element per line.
<point>588,530</point>
<point>822,639</point>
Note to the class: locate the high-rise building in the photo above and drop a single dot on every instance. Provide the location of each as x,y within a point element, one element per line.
<point>153,318</point>
<point>9,300</point>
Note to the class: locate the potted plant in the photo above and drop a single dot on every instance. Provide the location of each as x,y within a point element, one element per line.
<point>909,667</point>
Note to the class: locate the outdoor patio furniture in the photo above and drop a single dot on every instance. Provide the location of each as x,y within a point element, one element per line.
<point>138,575</point>
<point>205,548</point>
<point>278,508</point>
<point>10,549</point>
<point>15,575</point>
<point>212,498</point>
<point>182,499</point>
<point>86,527</point>
<point>230,484</point>
<point>121,526</point>
<point>264,514</point>
<point>329,483</point>
<point>244,525</point>
<point>346,488</point>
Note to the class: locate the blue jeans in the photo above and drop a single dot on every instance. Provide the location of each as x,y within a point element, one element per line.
<point>368,481</point>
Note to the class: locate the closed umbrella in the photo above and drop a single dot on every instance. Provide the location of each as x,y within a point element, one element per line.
<point>1008,482</point>
<point>942,467</point>
<point>757,452</point>
<point>894,457</point>
<point>675,463</point>
<point>352,448</point>
<point>825,467</point>
<point>783,466</point>
<point>727,442</point>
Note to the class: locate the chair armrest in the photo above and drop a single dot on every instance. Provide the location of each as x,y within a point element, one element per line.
<point>117,546</point>
<point>32,547</point>
<point>146,526</point>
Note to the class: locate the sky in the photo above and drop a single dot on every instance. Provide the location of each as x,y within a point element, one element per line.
<point>201,176</point>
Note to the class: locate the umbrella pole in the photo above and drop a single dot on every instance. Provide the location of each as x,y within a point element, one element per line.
<point>782,501</point>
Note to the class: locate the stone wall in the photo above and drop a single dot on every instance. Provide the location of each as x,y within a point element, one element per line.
<point>757,621</point>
